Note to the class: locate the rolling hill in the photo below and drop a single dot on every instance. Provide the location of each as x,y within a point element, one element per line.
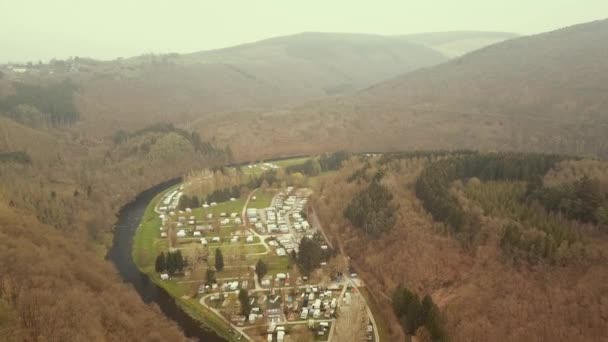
<point>539,93</point>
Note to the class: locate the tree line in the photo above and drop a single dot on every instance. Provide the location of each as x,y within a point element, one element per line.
<point>223,195</point>
<point>204,147</point>
<point>172,262</point>
<point>372,209</point>
<point>414,313</point>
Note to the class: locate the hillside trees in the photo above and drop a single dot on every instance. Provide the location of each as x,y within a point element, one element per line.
<point>581,200</point>
<point>54,103</point>
<point>372,209</point>
<point>414,313</point>
<point>433,184</point>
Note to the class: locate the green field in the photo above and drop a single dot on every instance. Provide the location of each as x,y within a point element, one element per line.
<point>263,198</point>
<point>147,242</point>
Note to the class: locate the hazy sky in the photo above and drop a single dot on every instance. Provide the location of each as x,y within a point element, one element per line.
<point>105,29</point>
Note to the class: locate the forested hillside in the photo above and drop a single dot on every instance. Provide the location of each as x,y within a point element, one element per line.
<point>258,76</point>
<point>473,233</point>
<point>60,190</point>
<point>542,93</point>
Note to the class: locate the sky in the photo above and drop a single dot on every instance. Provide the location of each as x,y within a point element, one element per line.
<point>33,30</point>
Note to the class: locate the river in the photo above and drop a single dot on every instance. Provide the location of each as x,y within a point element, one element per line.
<point>120,254</point>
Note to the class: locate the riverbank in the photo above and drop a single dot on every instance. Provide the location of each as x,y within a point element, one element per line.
<point>146,246</point>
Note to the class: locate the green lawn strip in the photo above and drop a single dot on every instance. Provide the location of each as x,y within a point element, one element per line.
<point>257,170</point>
<point>382,325</point>
<point>145,240</point>
<point>291,162</point>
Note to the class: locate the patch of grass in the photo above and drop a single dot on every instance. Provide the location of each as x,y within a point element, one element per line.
<point>222,207</point>
<point>147,237</point>
<point>257,170</point>
<point>263,198</point>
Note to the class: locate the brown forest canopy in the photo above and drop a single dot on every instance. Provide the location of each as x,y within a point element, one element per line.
<point>543,93</point>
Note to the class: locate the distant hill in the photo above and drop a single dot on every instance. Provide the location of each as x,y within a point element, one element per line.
<point>262,75</point>
<point>545,92</point>
<point>458,43</point>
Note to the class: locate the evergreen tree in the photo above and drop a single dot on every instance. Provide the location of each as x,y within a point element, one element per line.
<point>309,256</point>
<point>210,276</point>
<point>171,265</point>
<point>261,269</point>
<point>219,260</point>
<point>161,263</point>
<point>244,300</point>
<point>179,260</point>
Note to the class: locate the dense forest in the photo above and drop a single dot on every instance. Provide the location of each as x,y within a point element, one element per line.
<point>372,210</point>
<point>433,185</point>
<point>38,105</point>
<point>473,232</point>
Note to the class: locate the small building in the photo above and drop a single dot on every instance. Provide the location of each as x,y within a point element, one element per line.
<point>249,239</point>
<point>181,233</point>
<point>281,251</point>
<point>164,276</point>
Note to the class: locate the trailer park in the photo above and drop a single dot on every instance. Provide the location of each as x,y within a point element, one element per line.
<point>263,225</point>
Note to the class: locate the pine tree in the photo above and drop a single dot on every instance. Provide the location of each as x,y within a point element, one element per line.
<point>219,260</point>
<point>171,266</point>
<point>179,260</point>
<point>261,269</point>
<point>161,263</point>
<point>244,300</point>
<point>210,276</point>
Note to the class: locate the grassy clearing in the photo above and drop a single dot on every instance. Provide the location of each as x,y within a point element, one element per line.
<point>222,207</point>
<point>257,169</point>
<point>263,198</point>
